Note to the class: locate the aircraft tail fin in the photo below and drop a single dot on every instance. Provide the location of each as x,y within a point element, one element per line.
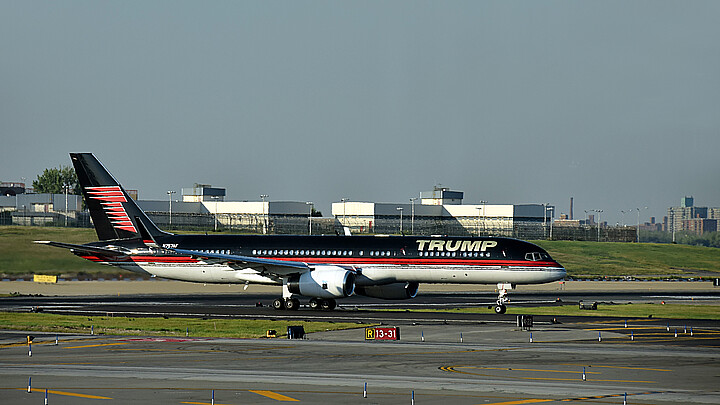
<point>115,215</point>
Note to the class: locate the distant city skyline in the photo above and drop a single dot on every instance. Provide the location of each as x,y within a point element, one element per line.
<point>613,103</point>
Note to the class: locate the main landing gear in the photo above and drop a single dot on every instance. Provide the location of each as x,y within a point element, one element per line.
<point>292,304</point>
<point>503,288</point>
<point>323,303</point>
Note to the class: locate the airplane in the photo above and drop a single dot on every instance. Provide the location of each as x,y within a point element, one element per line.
<point>321,268</point>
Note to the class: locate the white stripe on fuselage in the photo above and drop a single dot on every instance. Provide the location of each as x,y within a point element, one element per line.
<point>370,274</point>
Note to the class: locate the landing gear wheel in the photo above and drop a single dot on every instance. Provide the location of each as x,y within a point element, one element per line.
<point>328,304</point>
<point>314,303</point>
<point>292,304</point>
<point>278,303</point>
<point>500,309</point>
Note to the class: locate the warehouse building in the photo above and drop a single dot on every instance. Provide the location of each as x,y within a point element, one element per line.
<point>266,217</point>
<point>42,209</point>
<point>441,212</point>
<point>203,207</point>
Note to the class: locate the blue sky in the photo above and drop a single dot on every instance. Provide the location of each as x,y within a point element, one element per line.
<point>615,103</point>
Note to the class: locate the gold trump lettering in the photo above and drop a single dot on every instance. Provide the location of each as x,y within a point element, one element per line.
<point>439,245</point>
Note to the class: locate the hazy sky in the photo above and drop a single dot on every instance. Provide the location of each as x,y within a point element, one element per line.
<point>616,103</point>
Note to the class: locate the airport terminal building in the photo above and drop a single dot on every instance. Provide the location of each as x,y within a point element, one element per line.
<point>441,212</point>
<point>203,208</point>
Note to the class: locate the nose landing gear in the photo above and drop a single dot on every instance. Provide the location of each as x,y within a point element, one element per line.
<point>503,288</point>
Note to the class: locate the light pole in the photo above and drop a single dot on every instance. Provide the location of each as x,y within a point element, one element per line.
<point>16,201</point>
<point>483,217</point>
<point>638,225</point>
<point>343,217</point>
<point>412,215</point>
<point>170,193</point>
<point>544,217</point>
<point>310,203</point>
<point>265,219</point>
<point>552,216</point>
<point>216,198</point>
<point>623,212</point>
<point>672,224</point>
<point>65,188</point>
<point>401,210</point>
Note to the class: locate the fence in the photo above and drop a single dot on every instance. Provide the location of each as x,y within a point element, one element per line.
<point>301,225</point>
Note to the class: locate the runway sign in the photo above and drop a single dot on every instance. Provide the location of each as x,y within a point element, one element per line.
<point>382,333</point>
<point>41,278</point>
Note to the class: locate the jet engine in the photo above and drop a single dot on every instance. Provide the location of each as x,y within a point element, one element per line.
<point>394,291</point>
<point>323,282</point>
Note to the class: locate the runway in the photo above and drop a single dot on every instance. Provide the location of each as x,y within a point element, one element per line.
<point>495,364</point>
<point>441,358</point>
<point>256,305</point>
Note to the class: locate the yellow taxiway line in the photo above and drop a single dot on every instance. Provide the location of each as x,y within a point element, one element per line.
<point>274,395</point>
<point>67,394</point>
<point>538,400</point>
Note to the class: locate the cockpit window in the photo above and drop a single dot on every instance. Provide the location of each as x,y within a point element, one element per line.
<point>536,256</point>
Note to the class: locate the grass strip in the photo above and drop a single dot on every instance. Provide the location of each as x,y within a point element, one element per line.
<point>170,327</point>
<point>644,310</point>
<point>636,259</point>
<point>20,256</point>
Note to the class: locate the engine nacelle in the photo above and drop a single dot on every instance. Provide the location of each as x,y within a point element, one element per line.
<point>394,291</point>
<point>323,282</point>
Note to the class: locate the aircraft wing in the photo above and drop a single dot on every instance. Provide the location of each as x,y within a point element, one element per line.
<point>82,248</point>
<point>277,267</point>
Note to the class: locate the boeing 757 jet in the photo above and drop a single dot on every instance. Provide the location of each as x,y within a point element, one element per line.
<point>319,269</point>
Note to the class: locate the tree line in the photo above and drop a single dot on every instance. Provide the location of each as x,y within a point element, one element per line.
<point>54,181</point>
<point>708,239</point>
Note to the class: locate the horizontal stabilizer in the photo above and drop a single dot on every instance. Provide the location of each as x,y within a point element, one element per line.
<point>82,248</point>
